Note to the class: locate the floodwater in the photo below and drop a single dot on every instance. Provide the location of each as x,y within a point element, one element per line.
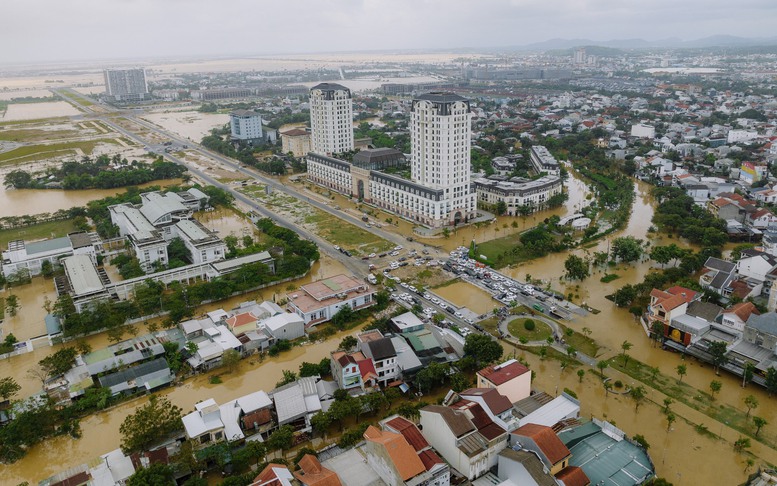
<point>226,222</point>
<point>32,111</point>
<point>101,431</point>
<point>188,124</point>
<point>463,294</point>
<point>18,202</point>
<point>24,93</point>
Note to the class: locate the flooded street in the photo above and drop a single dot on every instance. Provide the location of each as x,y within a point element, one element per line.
<point>189,124</point>
<point>101,431</point>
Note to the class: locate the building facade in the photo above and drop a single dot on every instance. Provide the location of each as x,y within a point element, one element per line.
<point>296,141</point>
<point>543,161</point>
<point>126,84</point>
<point>533,194</point>
<point>331,119</point>
<point>245,125</point>
<point>439,192</point>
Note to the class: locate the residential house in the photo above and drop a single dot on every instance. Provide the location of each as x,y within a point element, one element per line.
<point>761,330</point>
<point>524,468</point>
<point>541,440</point>
<point>436,468</point>
<point>408,363</point>
<point>317,302</point>
<point>211,347</point>
<point>606,455</point>
<point>496,405</point>
<point>760,218</point>
<point>233,421</point>
<point>353,371</point>
<point>312,473</point>
<point>407,322</point>
<point>511,379</point>
<point>296,402</point>
<point>755,268</point>
<point>381,351</point>
<point>734,318</point>
<point>470,450</point>
<point>718,275</point>
<point>204,425</point>
<point>274,475</point>
<point>543,409</point>
<point>393,458</point>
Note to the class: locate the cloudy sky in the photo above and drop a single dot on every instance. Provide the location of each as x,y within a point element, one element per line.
<point>62,30</point>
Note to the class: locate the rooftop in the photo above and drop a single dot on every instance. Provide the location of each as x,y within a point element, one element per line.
<point>441,97</point>
<point>82,275</point>
<point>45,246</point>
<point>402,454</point>
<point>547,440</point>
<point>504,372</point>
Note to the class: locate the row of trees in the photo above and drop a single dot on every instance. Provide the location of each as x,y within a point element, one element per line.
<point>100,173</point>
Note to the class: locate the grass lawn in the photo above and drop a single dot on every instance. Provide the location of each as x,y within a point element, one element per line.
<point>698,399</point>
<point>37,231</point>
<point>77,98</point>
<point>490,325</point>
<point>36,134</point>
<point>346,235</point>
<point>580,342</point>
<point>37,152</point>
<point>57,119</point>
<point>541,330</point>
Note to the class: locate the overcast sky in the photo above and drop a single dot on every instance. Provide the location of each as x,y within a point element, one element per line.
<point>50,30</point>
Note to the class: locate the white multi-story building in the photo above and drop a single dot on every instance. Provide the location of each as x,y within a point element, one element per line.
<point>126,84</point>
<point>246,125</point>
<point>643,130</point>
<point>543,161</point>
<point>331,119</point>
<point>439,192</point>
<point>514,194</point>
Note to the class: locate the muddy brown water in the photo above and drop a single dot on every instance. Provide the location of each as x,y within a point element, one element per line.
<point>18,202</point>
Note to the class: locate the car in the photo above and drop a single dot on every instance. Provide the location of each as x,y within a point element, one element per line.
<point>458,314</point>
<point>346,253</point>
<point>398,248</point>
<point>468,320</point>
<point>427,296</point>
<point>371,255</point>
<point>396,279</point>
<point>403,259</point>
<point>425,251</point>
<point>538,308</point>
<point>435,300</point>
<point>337,248</point>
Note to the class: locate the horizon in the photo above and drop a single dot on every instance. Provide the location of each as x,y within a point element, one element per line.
<point>92,30</point>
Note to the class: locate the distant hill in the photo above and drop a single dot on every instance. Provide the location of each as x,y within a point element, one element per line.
<point>711,41</point>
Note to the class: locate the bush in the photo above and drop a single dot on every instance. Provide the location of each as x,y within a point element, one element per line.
<point>618,384</point>
<point>570,393</point>
<point>529,325</point>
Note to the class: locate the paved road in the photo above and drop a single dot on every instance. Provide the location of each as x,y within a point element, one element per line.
<point>557,332</point>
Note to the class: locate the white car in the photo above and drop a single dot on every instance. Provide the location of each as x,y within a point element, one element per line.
<point>372,255</point>
<point>427,296</point>
<point>435,300</point>
<point>458,314</point>
<point>398,248</point>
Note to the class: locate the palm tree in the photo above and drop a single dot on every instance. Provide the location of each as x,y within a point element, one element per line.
<point>625,347</point>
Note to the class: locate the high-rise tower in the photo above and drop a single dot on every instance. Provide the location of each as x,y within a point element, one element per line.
<point>331,119</point>
<point>126,84</point>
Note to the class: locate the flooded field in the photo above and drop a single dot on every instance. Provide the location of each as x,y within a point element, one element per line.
<point>189,124</point>
<point>32,111</point>
<point>24,93</point>
<point>463,294</point>
<point>226,222</point>
<point>18,202</point>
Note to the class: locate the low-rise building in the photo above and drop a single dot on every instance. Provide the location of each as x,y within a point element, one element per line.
<point>511,379</point>
<point>471,450</point>
<point>30,256</point>
<point>381,351</point>
<point>295,141</point>
<point>541,440</point>
<point>317,302</point>
<point>246,126</point>
<point>543,161</point>
<point>518,193</point>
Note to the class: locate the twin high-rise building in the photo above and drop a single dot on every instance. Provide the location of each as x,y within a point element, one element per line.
<point>438,193</point>
<point>126,84</point>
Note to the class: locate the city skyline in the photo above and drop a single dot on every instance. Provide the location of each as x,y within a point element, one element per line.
<point>121,29</point>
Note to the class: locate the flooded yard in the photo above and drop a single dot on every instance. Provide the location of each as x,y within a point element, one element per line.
<point>188,124</point>
<point>32,111</point>
<point>464,294</point>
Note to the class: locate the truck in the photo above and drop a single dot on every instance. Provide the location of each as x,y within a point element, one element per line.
<point>538,308</point>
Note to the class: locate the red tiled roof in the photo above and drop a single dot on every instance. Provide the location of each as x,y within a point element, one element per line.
<point>268,477</point>
<point>260,417</point>
<point>429,458</point>
<point>573,476</point>
<point>405,459</point>
<point>495,401</point>
<point>294,132</point>
<point>78,479</point>
<point>500,375</point>
<point>241,319</point>
<point>410,432</point>
<point>312,473</point>
<point>546,440</point>
<point>743,310</point>
<point>367,369</point>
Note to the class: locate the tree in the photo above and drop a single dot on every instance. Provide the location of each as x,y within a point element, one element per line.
<point>158,474</point>
<point>657,332</point>
<point>715,387</point>
<point>281,439</point>
<point>682,370</point>
<point>640,439</point>
<point>586,331</point>
<point>759,423</point>
<point>751,402</point>
<point>625,347</point>
<point>391,394</point>
<point>638,394</point>
<point>741,444</point>
<point>602,365</point>
<point>667,403</point>
<point>58,363</point>
<point>576,267</point>
<point>564,365</point>
<point>626,249</point>
<point>580,375</point>
<point>116,334</point>
<point>747,375</point>
<point>12,305</point>
<point>771,380</point>
<point>501,208</point>
<point>321,422</point>
<point>607,388</point>
<point>348,343</point>
<point>717,350</point>
<point>149,424</point>
<point>484,349</point>
<point>342,316</point>
<point>230,360</point>
<point>288,377</point>
<point>8,388</point>
<point>670,419</point>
